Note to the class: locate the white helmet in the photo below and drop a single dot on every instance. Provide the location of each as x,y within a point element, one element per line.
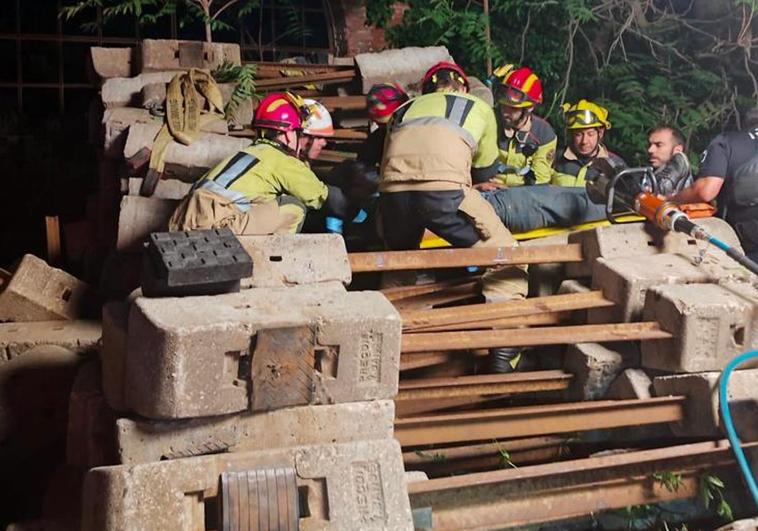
<point>319,121</point>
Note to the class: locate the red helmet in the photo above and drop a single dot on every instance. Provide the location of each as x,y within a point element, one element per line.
<point>383,99</point>
<point>520,88</point>
<point>430,78</point>
<point>279,111</point>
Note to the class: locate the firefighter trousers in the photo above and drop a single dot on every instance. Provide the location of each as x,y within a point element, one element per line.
<point>203,209</point>
<point>463,218</point>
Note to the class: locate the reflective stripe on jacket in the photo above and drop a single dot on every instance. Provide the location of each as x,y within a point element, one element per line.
<point>436,140</point>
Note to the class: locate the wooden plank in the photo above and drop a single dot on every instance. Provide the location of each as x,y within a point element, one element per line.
<point>53,236</point>
<point>478,256</point>
<point>328,155</point>
<point>526,337</point>
<point>344,103</point>
<point>422,319</point>
<point>270,65</point>
<point>296,81</point>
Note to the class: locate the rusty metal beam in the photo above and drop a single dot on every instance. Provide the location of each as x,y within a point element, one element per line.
<point>536,420</point>
<point>537,319</point>
<point>569,489</point>
<point>479,256</point>
<point>489,314</point>
<point>420,457</point>
<point>557,335</point>
<point>403,292</point>
<point>415,408</point>
<point>485,384</point>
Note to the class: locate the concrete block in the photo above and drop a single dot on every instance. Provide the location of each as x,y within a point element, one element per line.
<point>38,292</point>
<point>702,415</point>
<point>199,356</point>
<point>243,115</point>
<point>572,286</point>
<point>116,123</point>
<point>641,239</point>
<point>349,486</point>
<point>625,281</point>
<point>166,189</point>
<point>596,366</point>
<point>292,259</point>
<point>630,384</point>
<point>167,54</point>
<point>545,279</point>
<point>711,324</point>
<point>112,62</point>
<point>144,441</point>
<point>186,163</point>
<point>34,401</point>
<point>405,65</point>
<point>138,217</point>
<point>113,353</point>
<point>16,339</point>
<point>90,438</point>
<point>126,91</point>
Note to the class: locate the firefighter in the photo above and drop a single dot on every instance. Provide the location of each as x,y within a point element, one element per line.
<point>381,101</point>
<point>586,124</point>
<point>526,142</point>
<point>267,187</point>
<point>436,143</point>
<point>729,174</point>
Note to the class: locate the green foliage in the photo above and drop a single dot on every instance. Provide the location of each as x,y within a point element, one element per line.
<point>244,90</point>
<point>671,481</point>
<point>378,12</point>
<point>711,490</point>
<point>648,64</point>
<point>505,459</point>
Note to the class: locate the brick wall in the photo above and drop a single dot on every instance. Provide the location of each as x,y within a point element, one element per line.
<point>354,36</point>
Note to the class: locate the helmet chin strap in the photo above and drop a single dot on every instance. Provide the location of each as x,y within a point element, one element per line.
<point>523,115</point>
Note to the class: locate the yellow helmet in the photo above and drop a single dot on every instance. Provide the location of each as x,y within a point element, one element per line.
<point>585,115</point>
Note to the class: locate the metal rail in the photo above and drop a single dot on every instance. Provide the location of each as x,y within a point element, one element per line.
<point>492,314</point>
<point>536,420</point>
<point>479,256</point>
<point>558,335</point>
<point>486,384</point>
<point>568,489</point>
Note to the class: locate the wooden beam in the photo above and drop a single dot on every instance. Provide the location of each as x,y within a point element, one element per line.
<point>53,236</point>
<point>296,81</point>
<point>344,103</point>
<point>477,256</point>
<point>538,319</point>
<point>482,385</point>
<point>402,292</point>
<point>475,313</point>
<point>526,337</point>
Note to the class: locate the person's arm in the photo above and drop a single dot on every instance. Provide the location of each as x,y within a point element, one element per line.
<point>298,180</point>
<point>484,163</point>
<point>542,161</point>
<point>703,190</point>
<point>714,165</point>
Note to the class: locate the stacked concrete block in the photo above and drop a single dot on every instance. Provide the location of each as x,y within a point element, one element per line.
<point>711,324</point>
<point>595,366</point>
<point>358,485</point>
<point>138,217</point>
<point>289,260</point>
<point>293,381</point>
<point>38,292</point>
<point>188,357</point>
<point>631,384</point>
<point>642,239</point>
<point>702,414</point>
<point>625,281</point>
<point>167,54</point>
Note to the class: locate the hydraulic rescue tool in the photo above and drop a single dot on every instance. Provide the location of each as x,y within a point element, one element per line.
<point>636,190</point>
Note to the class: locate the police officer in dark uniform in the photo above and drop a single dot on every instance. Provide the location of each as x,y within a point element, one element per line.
<point>729,174</point>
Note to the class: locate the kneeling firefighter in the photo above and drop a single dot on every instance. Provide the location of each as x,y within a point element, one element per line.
<point>435,143</point>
